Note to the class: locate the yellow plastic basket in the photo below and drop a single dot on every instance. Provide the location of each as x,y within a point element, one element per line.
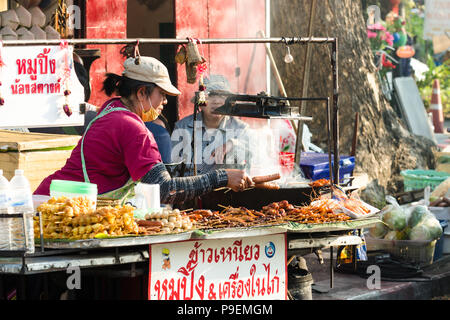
<point>416,252</point>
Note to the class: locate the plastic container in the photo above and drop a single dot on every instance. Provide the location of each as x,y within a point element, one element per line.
<point>74,189</point>
<point>21,191</point>
<point>446,244</point>
<point>443,215</point>
<point>22,232</point>
<point>419,179</point>
<point>5,191</point>
<point>146,200</point>
<point>5,202</point>
<point>315,166</point>
<point>411,251</point>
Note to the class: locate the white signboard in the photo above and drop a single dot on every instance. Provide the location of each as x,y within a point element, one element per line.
<point>219,269</point>
<point>437,18</point>
<point>33,85</point>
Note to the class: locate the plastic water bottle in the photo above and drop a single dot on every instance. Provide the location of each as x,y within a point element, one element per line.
<point>5,208</point>
<point>22,202</point>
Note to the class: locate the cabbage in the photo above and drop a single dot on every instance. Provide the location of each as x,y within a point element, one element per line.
<point>379,230</point>
<point>417,215</point>
<point>434,227</point>
<point>420,232</point>
<point>391,235</point>
<point>395,219</point>
<point>428,229</point>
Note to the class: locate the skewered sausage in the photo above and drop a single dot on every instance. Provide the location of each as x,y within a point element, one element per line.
<point>267,178</point>
<point>267,185</point>
<point>148,223</point>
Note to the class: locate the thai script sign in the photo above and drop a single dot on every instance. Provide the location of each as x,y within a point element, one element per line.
<point>33,81</point>
<point>219,269</point>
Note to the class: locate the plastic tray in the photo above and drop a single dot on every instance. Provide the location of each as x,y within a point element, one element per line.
<point>415,252</point>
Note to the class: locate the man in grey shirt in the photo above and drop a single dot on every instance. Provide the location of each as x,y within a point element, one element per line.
<point>221,141</point>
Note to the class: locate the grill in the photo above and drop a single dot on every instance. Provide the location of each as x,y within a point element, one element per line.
<point>261,106</point>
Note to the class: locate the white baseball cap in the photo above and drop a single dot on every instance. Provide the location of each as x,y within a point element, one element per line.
<point>150,70</point>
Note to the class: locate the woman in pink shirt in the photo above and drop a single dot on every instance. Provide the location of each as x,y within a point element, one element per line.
<point>117,150</point>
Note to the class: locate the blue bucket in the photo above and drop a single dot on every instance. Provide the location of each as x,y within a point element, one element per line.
<point>440,242</point>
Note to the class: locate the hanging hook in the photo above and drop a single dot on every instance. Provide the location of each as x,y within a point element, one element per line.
<point>288,58</point>
<point>137,55</point>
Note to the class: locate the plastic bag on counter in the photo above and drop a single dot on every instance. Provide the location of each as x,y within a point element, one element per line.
<point>415,222</point>
<point>379,230</point>
<point>394,216</point>
<point>393,222</point>
<point>427,228</point>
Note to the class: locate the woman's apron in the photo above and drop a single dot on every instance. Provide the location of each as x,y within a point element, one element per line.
<point>122,193</point>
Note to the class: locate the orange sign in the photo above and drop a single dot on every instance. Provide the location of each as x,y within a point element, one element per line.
<point>405,52</point>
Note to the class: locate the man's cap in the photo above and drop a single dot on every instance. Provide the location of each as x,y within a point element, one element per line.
<point>217,84</point>
<point>149,69</point>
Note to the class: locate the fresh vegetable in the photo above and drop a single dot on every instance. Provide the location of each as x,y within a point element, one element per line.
<point>418,215</point>
<point>379,230</point>
<point>428,229</point>
<point>391,235</point>
<point>420,232</point>
<point>434,227</point>
<point>395,219</point>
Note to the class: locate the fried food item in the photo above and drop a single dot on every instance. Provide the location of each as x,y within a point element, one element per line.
<point>73,218</point>
<point>319,183</point>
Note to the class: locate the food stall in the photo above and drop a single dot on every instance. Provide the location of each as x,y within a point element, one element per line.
<point>240,252</point>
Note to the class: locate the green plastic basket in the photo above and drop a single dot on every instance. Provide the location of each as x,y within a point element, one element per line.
<point>419,179</point>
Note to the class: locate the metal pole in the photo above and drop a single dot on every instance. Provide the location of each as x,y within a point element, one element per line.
<point>301,40</point>
<point>305,85</point>
<point>41,231</point>
<point>329,143</point>
<point>331,268</point>
<point>194,132</point>
<point>334,63</point>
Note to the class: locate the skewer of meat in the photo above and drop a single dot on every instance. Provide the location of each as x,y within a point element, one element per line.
<point>267,178</point>
<point>267,185</point>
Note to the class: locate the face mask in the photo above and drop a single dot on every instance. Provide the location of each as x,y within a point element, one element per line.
<point>150,115</point>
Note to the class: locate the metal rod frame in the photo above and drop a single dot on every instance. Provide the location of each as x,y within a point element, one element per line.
<point>293,40</point>
<point>281,40</point>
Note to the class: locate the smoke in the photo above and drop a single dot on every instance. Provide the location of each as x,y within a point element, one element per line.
<point>244,65</point>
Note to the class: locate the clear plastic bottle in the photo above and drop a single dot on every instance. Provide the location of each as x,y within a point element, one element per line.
<point>22,202</point>
<point>5,208</point>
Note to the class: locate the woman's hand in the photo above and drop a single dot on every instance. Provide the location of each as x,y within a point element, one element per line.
<point>238,180</point>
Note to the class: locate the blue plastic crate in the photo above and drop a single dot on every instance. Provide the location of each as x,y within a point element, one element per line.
<point>315,165</point>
